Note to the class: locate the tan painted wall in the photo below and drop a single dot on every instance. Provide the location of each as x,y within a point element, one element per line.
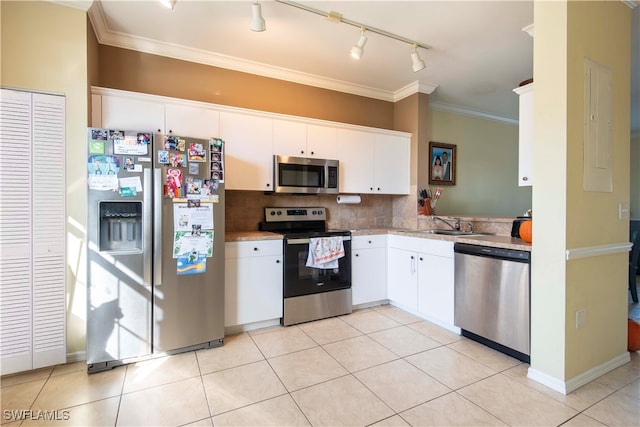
<point>565,216</point>
<point>56,63</point>
<point>487,166</point>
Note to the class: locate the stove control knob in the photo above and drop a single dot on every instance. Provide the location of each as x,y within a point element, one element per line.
<point>279,212</point>
<point>319,211</point>
<point>272,213</point>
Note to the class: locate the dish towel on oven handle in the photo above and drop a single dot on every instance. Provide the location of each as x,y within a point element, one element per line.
<point>324,252</point>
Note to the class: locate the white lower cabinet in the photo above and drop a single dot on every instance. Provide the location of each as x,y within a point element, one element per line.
<point>403,278</point>
<point>253,281</point>
<point>420,277</point>
<point>369,269</point>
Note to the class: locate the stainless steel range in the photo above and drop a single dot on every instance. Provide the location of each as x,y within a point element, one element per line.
<point>317,264</point>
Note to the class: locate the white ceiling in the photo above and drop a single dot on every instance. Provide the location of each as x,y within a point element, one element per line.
<point>479,51</point>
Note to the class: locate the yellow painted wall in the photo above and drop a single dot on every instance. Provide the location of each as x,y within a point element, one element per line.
<point>485,149</point>
<point>56,63</point>
<point>565,216</point>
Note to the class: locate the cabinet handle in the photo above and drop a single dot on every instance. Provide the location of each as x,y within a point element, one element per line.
<point>420,258</point>
<point>369,241</point>
<point>312,153</point>
<point>170,131</point>
<point>378,188</point>
<point>357,254</point>
<point>301,151</point>
<point>524,178</point>
<point>277,261</point>
<point>268,185</point>
<point>255,249</point>
<point>159,131</point>
<point>371,188</point>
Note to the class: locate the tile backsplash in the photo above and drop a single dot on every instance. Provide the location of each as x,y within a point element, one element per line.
<point>245,209</point>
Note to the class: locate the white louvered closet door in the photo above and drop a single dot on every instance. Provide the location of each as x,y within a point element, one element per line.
<point>32,230</point>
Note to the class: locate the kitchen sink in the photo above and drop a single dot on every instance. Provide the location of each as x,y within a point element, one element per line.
<point>452,232</point>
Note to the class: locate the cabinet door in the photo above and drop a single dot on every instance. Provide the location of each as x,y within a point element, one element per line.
<point>249,151</point>
<point>436,288</point>
<point>289,138</point>
<point>195,122</point>
<point>402,282</point>
<point>392,164</point>
<point>356,157</point>
<point>525,136</point>
<point>321,142</point>
<point>125,113</point>
<point>368,275</point>
<point>253,289</point>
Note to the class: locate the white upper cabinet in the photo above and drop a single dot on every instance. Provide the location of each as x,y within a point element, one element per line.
<point>373,163</point>
<point>289,138</point>
<point>248,151</point>
<point>194,122</point>
<point>525,135</point>
<point>356,160</point>
<point>321,141</point>
<point>392,160</point>
<point>124,113</point>
<point>298,139</point>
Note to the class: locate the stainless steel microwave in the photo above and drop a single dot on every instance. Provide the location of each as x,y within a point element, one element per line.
<point>305,175</point>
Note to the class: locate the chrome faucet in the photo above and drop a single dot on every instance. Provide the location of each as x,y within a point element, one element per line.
<point>455,226</point>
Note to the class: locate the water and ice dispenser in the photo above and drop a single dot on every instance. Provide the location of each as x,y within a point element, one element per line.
<point>120,226</point>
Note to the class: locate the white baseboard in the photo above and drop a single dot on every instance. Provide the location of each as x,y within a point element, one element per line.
<point>566,387</point>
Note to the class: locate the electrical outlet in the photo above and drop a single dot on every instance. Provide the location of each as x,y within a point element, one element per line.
<point>623,211</point>
<point>581,318</point>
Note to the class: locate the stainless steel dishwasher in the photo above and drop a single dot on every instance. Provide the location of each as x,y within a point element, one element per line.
<point>492,297</point>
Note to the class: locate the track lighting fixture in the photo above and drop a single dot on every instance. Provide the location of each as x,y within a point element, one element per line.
<point>169,4</point>
<point>257,21</point>
<point>358,50</point>
<point>418,63</point>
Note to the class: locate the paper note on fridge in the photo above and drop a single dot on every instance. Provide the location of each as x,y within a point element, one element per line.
<point>186,242</point>
<point>131,182</point>
<point>185,217</point>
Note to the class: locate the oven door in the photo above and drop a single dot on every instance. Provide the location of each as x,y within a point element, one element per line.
<point>302,280</point>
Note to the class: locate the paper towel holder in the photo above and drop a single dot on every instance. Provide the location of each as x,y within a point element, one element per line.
<point>348,199</point>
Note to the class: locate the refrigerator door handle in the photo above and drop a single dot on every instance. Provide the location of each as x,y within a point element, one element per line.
<point>147,226</point>
<point>157,230</point>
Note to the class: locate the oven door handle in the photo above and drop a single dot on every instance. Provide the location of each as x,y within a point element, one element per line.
<point>307,240</point>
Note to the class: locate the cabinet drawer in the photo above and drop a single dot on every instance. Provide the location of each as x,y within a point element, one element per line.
<point>370,241</point>
<point>424,245</point>
<point>253,248</point>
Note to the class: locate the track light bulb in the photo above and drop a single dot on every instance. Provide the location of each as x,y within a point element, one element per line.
<point>257,21</point>
<point>418,63</point>
<point>358,50</point>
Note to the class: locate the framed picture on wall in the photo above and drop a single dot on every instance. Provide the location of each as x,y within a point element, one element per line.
<point>442,163</point>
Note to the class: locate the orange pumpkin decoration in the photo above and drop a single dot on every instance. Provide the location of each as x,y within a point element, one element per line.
<point>525,231</point>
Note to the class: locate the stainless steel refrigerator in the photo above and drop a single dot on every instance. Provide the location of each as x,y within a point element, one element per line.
<point>155,228</point>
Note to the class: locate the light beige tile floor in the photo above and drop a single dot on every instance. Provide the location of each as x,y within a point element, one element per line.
<point>379,366</point>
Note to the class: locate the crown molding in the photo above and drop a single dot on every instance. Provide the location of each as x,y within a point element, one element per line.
<point>412,88</point>
<point>631,3</point>
<point>83,5</point>
<point>440,106</point>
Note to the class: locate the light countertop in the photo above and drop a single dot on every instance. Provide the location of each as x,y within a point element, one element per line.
<point>492,240</point>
